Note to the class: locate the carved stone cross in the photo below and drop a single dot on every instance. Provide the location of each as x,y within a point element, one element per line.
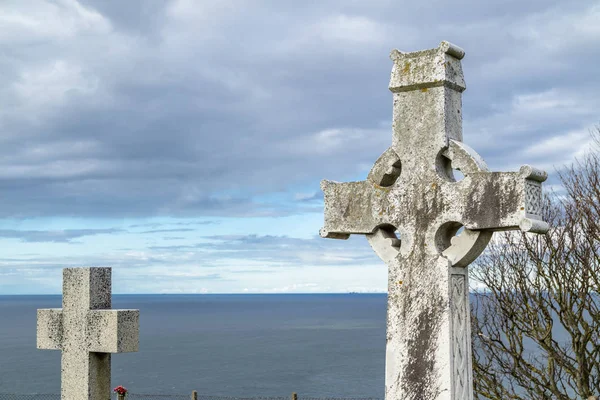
<point>87,331</point>
<point>412,190</point>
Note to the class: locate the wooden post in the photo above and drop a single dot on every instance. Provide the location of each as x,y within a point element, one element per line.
<point>194,395</point>
<point>294,396</point>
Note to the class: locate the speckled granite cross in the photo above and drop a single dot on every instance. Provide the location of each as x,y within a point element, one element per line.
<point>87,331</point>
<point>412,190</point>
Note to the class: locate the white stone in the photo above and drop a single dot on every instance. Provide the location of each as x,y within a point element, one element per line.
<point>411,189</point>
<point>86,330</point>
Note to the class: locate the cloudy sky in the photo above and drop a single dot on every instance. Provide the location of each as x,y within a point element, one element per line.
<point>183,142</point>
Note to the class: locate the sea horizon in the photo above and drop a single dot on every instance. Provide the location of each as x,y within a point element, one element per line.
<point>203,294</point>
<point>236,344</point>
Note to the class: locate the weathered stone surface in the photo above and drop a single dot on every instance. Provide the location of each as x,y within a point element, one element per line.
<point>86,330</point>
<point>412,190</point>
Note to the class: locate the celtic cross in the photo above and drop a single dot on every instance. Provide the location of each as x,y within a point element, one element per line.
<point>412,190</point>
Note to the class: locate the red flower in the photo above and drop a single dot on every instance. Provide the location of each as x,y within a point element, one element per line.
<point>120,390</point>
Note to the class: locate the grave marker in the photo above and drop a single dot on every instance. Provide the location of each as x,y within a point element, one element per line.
<point>412,190</point>
<point>86,330</point>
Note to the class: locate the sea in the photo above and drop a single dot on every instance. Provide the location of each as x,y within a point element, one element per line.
<point>317,345</point>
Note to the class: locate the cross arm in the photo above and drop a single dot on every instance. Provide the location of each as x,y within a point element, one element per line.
<point>49,328</point>
<point>113,331</point>
<point>505,201</point>
<point>354,207</point>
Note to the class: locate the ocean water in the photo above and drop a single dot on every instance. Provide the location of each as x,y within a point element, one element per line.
<point>324,345</point>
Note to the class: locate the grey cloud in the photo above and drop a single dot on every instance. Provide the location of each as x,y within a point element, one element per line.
<point>187,109</point>
<point>56,236</point>
<point>174,247</point>
<point>195,223</point>
<point>168,230</point>
<point>317,196</point>
<point>155,225</point>
<point>218,258</point>
<point>278,250</point>
<point>112,198</point>
<point>136,17</point>
<point>118,260</point>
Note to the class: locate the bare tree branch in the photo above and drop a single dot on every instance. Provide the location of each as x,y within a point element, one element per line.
<point>536,323</point>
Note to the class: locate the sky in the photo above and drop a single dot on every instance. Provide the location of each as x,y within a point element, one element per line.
<point>182,142</point>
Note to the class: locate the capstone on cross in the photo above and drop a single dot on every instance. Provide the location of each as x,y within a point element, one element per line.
<point>87,331</point>
<point>412,190</point>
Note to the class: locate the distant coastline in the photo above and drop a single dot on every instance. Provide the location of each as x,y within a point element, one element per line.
<point>210,294</point>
